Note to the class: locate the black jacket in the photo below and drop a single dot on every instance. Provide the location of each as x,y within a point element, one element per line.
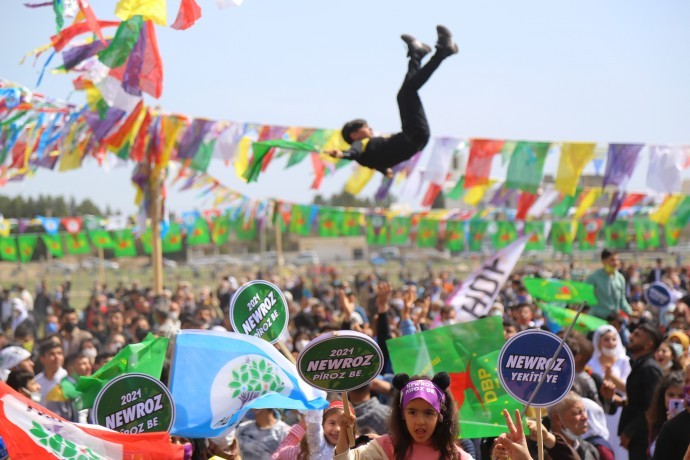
<point>639,387</point>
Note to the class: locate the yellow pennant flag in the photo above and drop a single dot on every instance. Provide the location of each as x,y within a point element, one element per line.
<point>171,125</point>
<point>154,10</point>
<point>242,158</point>
<point>574,158</point>
<point>72,158</point>
<point>359,179</point>
<point>4,227</point>
<point>589,197</point>
<point>663,214</point>
<point>474,195</point>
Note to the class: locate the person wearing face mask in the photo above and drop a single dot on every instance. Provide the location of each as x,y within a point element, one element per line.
<point>610,361</point>
<point>609,287</point>
<point>25,383</point>
<point>674,437</point>
<point>569,422</point>
<point>70,333</point>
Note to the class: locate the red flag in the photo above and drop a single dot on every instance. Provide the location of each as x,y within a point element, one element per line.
<point>72,224</point>
<point>187,15</point>
<point>431,194</point>
<point>31,431</point>
<point>118,138</point>
<point>140,142</point>
<point>319,170</point>
<point>525,202</point>
<point>482,153</point>
<point>66,35</point>
<point>632,199</point>
<point>91,19</point>
<point>151,75</point>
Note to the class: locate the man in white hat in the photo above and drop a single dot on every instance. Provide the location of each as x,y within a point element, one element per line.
<point>14,358</point>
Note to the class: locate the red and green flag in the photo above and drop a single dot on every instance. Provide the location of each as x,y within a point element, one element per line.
<point>377,231</point>
<point>427,233</point>
<point>125,245</point>
<point>77,243</point>
<point>537,239</point>
<point>400,227</point>
<point>672,231</point>
<point>351,223</point>
<point>146,240</point>
<point>506,233</point>
<point>476,235</point>
<point>300,222</point>
<point>588,233</point>
<point>555,290</point>
<point>27,244</point>
<point>53,244</point>
<point>469,353</point>
<point>616,234</point>
<point>567,202</point>
<point>647,234</point>
<point>101,239</point>
<point>220,233</point>
<point>245,230</point>
<point>8,249</point>
<point>330,221</point>
<point>562,236</point>
<point>455,235</point>
<point>199,234</point>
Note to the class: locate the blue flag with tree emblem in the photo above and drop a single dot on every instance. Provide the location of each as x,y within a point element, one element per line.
<point>217,377</point>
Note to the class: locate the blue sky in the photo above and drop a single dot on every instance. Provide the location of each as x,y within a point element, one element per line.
<point>587,70</point>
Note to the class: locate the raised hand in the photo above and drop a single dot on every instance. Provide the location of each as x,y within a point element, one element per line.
<point>512,445</point>
<point>383,296</point>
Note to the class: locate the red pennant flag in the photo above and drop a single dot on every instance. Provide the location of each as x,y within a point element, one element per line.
<point>72,224</point>
<point>631,200</point>
<point>482,153</point>
<point>319,170</point>
<point>525,202</point>
<point>140,142</point>
<point>91,19</point>
<point>187,15</point>
<point>431,194</point>
<point>66,35</point>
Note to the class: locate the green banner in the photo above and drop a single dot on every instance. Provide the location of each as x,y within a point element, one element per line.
<point>563,317</point>
<point>553,290</point>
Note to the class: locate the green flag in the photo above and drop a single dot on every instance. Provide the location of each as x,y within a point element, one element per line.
<point>457,191</point>
<point>124,243</point>
<point>53,244</point>
<point>567,202</point>
<point>506,233</point>
<point>330,221</point>
<point>682,212</point>
<point>527,166</point>
<point>672,231</point>
<point>537,240</point>
<point>647,234</point>
<point>377,231</point>
<point>400,230</point>
<point>563,317</point>
<point>261,149</point>
<point>562,236</point>
<point>351,223</point>
<point>146,239</point>
<point>123,43</point>
<point>172,242</point>
<point>220,230</point>
<point>245,230</point>
<point>203,156</point>
<point>554,290</point>
<point>588,234</point>
<point>101,239</point>
<point>469,353</point>
<point>455,235</point>
<point>477,232</point>
<point>77,243</point>
<point>27,244</point>
<point>616,234</point>
<point>146,357</point>
<point>300,223</point>
<point>427,233</point>
<point>200,233</point>
<point>8,249</point>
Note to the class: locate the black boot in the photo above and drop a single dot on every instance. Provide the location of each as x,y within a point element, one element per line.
<point>445,44</point>
<point>415,48</point>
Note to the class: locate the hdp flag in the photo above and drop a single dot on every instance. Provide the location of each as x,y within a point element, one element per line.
<point>538,231</point>
<point>588,233</point>
<point>245,230</point>
<point>400,230</point>
<point>554,290</point>
<point>220,230</point>
<point>146,357</point>
<point>469,353</point>
<point>172,242</point>
<point>559,317</point>
<point>217,377</point>
<point>124,243</point>
<point>427,233</point>
<point>562,236</point>
<point>672,230</point>
<point>31,431</point>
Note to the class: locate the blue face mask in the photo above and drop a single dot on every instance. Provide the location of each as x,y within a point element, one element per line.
<point>51,328</point>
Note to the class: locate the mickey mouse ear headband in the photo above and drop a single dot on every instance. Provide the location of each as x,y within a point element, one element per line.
<point>431,391</point>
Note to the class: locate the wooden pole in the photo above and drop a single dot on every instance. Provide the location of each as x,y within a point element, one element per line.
<point>279,243</point>
<point>281,346</point>
<point>155,212</point>
<point>540,437</point>
<point>350,431</point>
<point>101,267</point>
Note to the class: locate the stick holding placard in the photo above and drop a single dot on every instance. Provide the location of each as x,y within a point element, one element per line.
<point>540,436</point>
<point>284,349</point>
<point>350,431</point>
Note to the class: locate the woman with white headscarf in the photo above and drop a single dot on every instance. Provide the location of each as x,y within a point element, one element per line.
<point>610,361</point>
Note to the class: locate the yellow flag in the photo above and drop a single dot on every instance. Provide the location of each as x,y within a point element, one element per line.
<point>359,179</point>
<point>170,129</point>
<point>4,227</point>
<point>589,197</point>
<point>663,214</point>
<point>154,10</point>
<point>242,158</point>
<point>474,195</point>
<point>574,158</point>
<point>72,158</point>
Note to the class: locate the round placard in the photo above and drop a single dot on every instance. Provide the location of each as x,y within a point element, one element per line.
<point>523,360</point>
<point>259,308</point>
<point>659,294</point>
<point>134,403</point>
<point>340,361</point>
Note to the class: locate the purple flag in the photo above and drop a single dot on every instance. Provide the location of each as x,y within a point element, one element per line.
<point>622,159</point>
<point>73,56</point>
<point>135,64</point>
<point>502,196</point>
<point>614,208</point>
<point>193,137</point>
<point>102,126</point>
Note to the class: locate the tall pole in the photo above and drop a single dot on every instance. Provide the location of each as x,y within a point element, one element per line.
<point>279,243</point>
<point>155,212</point>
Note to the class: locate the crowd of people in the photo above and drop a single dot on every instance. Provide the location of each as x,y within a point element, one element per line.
<point>630,398</point>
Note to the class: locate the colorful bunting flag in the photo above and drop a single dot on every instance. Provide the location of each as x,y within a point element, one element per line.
<point>505,233</point>
<point>124,244</point>
<point>8,249</point>
<point>537,232</point>
<point>562,236</point>
<point>482,152</point>
<point>621,162</point>
<point>77,244</point>
<point>455,235</point>
<point>672,231</point>
<point>300,222</point>
<point>616,235</point>
<point>220,231</point>
<point>588,234</point>
<point>200,234</point>
<point>245,230</point>
<point>527,166</point>
<point>647,234</point>
<point>330,221</point>
<point>26,244</point>
<point>101,239</point>
<point>427,233</point>
<point>574,157</point>
<point>53,244</point>
<point>477,231</point>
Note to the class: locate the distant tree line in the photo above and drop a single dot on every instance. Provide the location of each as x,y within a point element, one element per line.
<point>48,206</point>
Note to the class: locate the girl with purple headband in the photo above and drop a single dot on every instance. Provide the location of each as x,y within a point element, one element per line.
<point>423,424</point>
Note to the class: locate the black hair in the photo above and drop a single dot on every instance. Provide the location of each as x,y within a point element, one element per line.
<point>47,346</point>
<point>18,379</point>
<point>66,311</point>
<point>652,332</point>
<point>446,431</point>
<point>350,127</point>
<point>656,411</point>
<point>606,253</point>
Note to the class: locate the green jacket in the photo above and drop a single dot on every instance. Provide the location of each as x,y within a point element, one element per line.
<point>610,293</point>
